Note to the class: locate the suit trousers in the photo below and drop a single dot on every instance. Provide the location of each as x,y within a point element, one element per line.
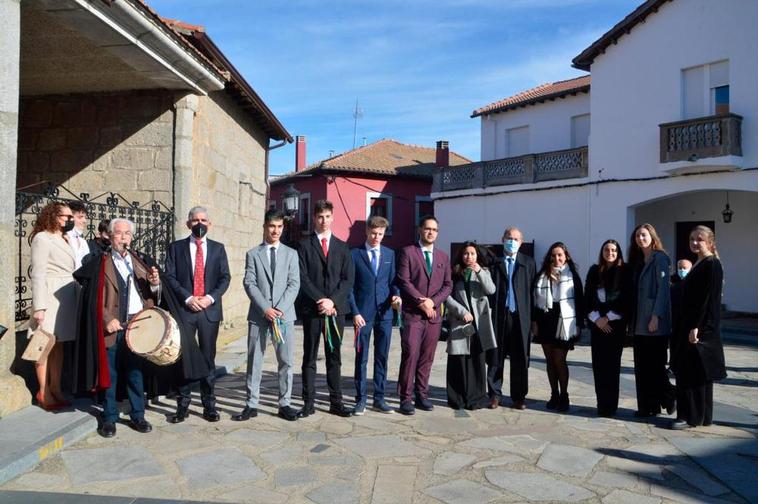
<point>382,337</point>
<point>510,342</point>
<point>313,332</point>
<point>653,387</point>
<point>257,337</point>
<point>207,335</point>
<point>606,365</point>
<point>120,358</point>
<point>418,342</point>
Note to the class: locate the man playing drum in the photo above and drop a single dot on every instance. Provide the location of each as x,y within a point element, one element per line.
<point>116,287</point>
<point>197,270</point>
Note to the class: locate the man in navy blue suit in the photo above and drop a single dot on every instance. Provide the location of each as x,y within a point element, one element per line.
<point>371,301</point>
<point>197,270</point>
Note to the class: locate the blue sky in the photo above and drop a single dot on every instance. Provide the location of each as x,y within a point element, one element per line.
<point>418,68</point>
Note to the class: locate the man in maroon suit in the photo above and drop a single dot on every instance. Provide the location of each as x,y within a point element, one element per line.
<point>423,275</point>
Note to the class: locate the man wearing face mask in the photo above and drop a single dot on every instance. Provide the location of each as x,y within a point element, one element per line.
<point>683,267</point>
<point>197,270</point>
<point>512,303</point>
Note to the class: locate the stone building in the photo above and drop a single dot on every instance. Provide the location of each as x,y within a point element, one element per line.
<point>102,97</point>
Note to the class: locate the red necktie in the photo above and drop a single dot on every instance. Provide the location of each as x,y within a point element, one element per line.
<point>323,247</point>
<point>198,287</point>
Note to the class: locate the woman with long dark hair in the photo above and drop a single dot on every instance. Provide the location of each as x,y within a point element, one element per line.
<point>699,357</point>
<point>471,331</point>
<point>604,297</point>
<point>650,321</point>
<point>558,318</point>
<point>54,296</point>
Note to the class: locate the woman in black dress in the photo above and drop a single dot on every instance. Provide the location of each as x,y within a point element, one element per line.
<point>604,299</point>
<point>558,318</point>
<point>699,357</point>
<point>471,331</point>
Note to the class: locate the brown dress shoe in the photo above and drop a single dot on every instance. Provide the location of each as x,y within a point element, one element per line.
<point>518,405</point>
<point>494,402</point>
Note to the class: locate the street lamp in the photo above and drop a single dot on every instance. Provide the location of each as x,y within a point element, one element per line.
<point>291,198</point>
<point>727,212</point>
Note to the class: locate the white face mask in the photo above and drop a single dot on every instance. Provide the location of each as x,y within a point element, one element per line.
<point>511,246</point>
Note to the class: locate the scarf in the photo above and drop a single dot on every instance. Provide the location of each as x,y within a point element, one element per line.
<point>544,297</point>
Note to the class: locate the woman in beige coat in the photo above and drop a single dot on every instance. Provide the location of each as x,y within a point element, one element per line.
<point>54,296</point>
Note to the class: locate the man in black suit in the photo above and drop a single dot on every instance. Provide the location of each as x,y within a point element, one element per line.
<point>512,303</point>
<point>198,272</point>
<point>326,280</point>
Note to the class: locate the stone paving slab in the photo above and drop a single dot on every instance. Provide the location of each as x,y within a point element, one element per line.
<point>110,464</point>
<point>462,492</point>
<point>568,460</point>
<point>624,497</point>
<point>220,467</point>
<point>537,487</point>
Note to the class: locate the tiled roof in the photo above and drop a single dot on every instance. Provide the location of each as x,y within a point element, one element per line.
<point>384,157</point>
<point>537,94</point>
<point>623,27</point>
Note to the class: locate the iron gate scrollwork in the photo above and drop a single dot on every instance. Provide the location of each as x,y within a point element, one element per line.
<point>154,222</point>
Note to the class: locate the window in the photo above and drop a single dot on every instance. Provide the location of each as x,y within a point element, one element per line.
<point>304,212</point>
<point>380,204</point>
<point>517,140</point>
<point>705,90</point>
<point>580,131</point>
<point>424,206</point>
<point>272,205</point>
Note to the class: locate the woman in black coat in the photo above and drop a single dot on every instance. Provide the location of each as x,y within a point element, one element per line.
<point>699,357</point>
<point>604,299</point>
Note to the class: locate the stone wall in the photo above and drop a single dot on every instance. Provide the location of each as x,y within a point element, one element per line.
<point>95,143</point>
<point>228,165</point>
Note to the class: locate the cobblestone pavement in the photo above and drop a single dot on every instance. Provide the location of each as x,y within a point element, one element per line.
<point>440,456</point>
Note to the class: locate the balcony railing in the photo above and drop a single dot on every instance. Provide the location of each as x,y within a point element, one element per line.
<point>704,137</point>
<point>555,165</point>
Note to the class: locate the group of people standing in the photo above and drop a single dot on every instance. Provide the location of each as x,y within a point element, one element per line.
<point>495,306</point>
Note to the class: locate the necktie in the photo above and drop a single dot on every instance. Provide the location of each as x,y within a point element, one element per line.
<point>272,250</point>
<point>511,301</point>
<point>323,247</point>
<point>374,262</point>
<point>198,286</point>
<point>428,256</point>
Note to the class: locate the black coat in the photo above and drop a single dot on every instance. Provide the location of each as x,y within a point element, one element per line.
<point>324,277</point>
<point>523,279</point>
<point>158,380</point>
<point>701,309</point>
<point>615,292</point>
<point>180,275</point>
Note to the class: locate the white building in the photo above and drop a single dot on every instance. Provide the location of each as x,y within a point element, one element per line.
<point>673,116</point>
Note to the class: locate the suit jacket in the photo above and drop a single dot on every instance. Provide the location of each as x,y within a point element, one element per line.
<point>265,291</point>
<point>372,293</point>
<point>324,277</point>
<point>181,275</point>
<point>652,296</point>
<point>523,279</point>
<point>53,287</point>
<point>415,282</point>
<point>112,308</point>
<point>477,304</point>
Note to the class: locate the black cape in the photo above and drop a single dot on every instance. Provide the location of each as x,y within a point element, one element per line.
<point>158,380</point>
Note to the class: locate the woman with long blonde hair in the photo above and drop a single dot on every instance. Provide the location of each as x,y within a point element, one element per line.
<point>699,357</point>
<point>54,296</point>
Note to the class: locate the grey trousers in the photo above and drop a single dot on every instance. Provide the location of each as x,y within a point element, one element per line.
<point>257,338</point>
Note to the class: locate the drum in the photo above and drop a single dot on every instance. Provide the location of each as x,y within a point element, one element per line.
<point>154,334</point>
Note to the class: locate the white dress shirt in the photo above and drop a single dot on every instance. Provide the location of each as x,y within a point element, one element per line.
<point>328,236</point>
<point>270,246</point>
<point>193,253</point>
<point>430,248</point>
<point>124,267</point>
<point>78,245</point>
<point>611,315</point>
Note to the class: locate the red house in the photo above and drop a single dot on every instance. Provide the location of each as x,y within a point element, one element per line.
<point>386,178</point>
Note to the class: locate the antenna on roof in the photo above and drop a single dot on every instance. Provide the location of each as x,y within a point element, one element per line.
<point>331,153</point>
<point>364,141</point>
<point>357,114</point>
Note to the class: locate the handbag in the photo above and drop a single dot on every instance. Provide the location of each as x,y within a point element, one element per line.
<point>40,344</point>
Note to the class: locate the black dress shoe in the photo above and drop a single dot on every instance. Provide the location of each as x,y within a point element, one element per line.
<point>644,414</point>
<point>424,404</point>
<point>406,408</point>
<point>288,413</point>
<point>340,410</point>
<point>211,414</point>
<point>107,430</point>
<point>306,412</point>
<point>679,425</point>
<point>246,414</point>
<point>141,425</point>
<point>180,416</point>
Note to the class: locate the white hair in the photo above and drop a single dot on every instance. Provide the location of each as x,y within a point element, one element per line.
<point>117,220</point>
<point>196,210</point>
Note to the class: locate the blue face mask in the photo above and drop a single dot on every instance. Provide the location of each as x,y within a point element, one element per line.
<point>511,246</point>
<point>682,273</point>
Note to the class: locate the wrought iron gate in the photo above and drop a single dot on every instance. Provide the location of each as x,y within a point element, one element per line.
<point>154,222</point>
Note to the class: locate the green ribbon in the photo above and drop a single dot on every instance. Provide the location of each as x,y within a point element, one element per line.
<point>330,320</point>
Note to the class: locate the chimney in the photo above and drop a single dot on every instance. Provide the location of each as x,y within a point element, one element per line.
<point>300,163</point>
<point>443,154</point>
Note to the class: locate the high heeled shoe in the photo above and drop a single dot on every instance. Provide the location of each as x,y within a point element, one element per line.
<point>46,406</point>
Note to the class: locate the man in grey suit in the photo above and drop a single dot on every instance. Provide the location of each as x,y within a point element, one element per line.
<point>272,281</point>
